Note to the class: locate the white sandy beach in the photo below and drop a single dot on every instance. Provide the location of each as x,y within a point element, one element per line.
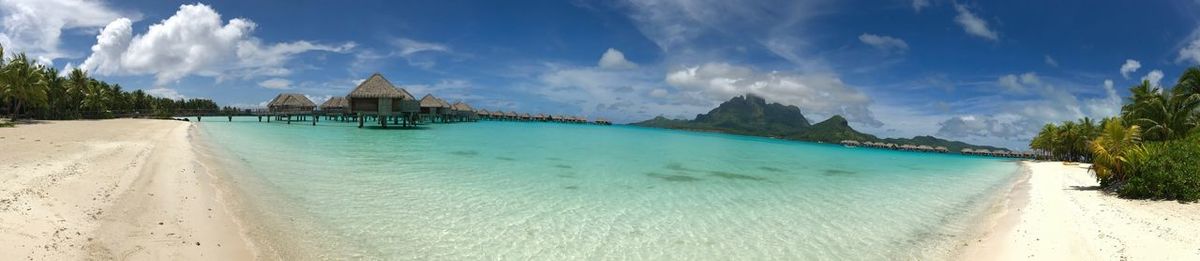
<point>1056,213</point>
<point>112,189</point>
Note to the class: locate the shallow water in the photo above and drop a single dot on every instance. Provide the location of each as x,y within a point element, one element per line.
<point>514,190</point>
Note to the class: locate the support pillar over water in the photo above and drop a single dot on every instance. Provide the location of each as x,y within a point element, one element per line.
<point>360,121</point>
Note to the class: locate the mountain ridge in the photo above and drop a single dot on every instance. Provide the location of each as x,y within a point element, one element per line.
<point>752,115</point>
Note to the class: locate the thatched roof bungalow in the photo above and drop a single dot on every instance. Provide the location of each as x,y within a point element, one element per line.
<point>291,103</point>
<point>463,111</point>
<point>512,115</point>
<point>430,105</point>
<point>335,105</point>
<point>526,116</point>
<point>941,149</point>
<point>377,96</point>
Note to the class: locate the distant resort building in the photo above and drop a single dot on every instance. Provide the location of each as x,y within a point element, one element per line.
<point>291,103</point>
<point>377,98</point>
<point>379,101</point>
<point>942,149</point>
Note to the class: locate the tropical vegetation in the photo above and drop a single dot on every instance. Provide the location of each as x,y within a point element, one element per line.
<point>1151,150</point>
<point>35,91</point>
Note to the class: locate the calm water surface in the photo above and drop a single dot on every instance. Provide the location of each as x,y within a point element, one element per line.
<point>516,191</point>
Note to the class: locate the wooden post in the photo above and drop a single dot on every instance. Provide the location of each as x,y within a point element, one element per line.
<point>230,118</point>
<point>260,118</point>
<point>360,121</point>
<point>314,120</point>
<point>289,119</point>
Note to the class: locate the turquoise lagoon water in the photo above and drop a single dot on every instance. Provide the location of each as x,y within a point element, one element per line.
<point>513,190</point>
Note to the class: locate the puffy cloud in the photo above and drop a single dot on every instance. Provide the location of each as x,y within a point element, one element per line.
<point>884,43</point>
<point>1191,52</point>
<point>276,83</point>
<point>817,94</point>
<point>1015,83</point>
<point>614,59</point>
<point>1014,122</point>
<point>1154,77</point>
<point>974,25</point>
<point>193,41</point>
<point>920,4</point>
<point>35,26</point>
<point>1003,126</point>
<point>1130,66</point>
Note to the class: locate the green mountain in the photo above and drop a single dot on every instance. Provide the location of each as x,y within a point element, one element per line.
<point>752,115</point>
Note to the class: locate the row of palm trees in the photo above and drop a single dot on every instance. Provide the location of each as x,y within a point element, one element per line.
<point>32,90</point>
<point>1152,115</point>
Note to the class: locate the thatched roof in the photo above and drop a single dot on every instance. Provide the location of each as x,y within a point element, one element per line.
<point>525,115</point>
<point>968,150</point>
<point>335,102</point>
<point>430,102</point>
<point>460,106</point>
<point>291,100</point>
<point>510,114</point>
<point>378,87</point>
<point>483,112</point>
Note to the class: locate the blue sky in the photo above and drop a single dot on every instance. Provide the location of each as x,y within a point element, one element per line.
<point>988,72</point>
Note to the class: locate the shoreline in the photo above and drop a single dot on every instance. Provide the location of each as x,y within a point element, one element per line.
<point>1056,212</point>
<point>114,189</point>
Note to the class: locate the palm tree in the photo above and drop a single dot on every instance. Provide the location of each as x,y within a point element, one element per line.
<point>95,98</point>
<point>1190,80</point>
<point>1171,116</point>
<point>77,83</point>
<point>24,84</point>
<point>1046,140</point>
<point>1109,150</point>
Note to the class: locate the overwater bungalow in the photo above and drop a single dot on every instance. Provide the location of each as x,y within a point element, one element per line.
<point>540,117</point>
<point>483,114</point>
<point>851,143</point>
<point>926,148</point>
<point>291,103</point>
<point>941,149</point>
<point>463,111</point>
<point>431,109</point>
<point>335,108</point>
<point>446,112</point>
<point>286,105</point>
<point>511,115</point>
<point>377,98</point>
<point>603,121</point>
<point>526,116</point>
<point>497,115</point>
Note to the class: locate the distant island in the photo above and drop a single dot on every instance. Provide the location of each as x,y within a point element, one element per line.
<point>752,115</point>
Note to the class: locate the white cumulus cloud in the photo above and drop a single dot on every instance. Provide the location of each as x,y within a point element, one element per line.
<point>1154,77</point>
<point>884,43</point>
<point>1018,83</point>
<point>1130,66</point>
<point>615,59</point>
<point>36,26</point>
<point>1191,52</point>
<point>194,41</point>
<point>974,25</point>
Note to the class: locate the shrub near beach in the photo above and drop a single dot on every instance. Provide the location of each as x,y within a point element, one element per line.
<point>1165,170</point>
